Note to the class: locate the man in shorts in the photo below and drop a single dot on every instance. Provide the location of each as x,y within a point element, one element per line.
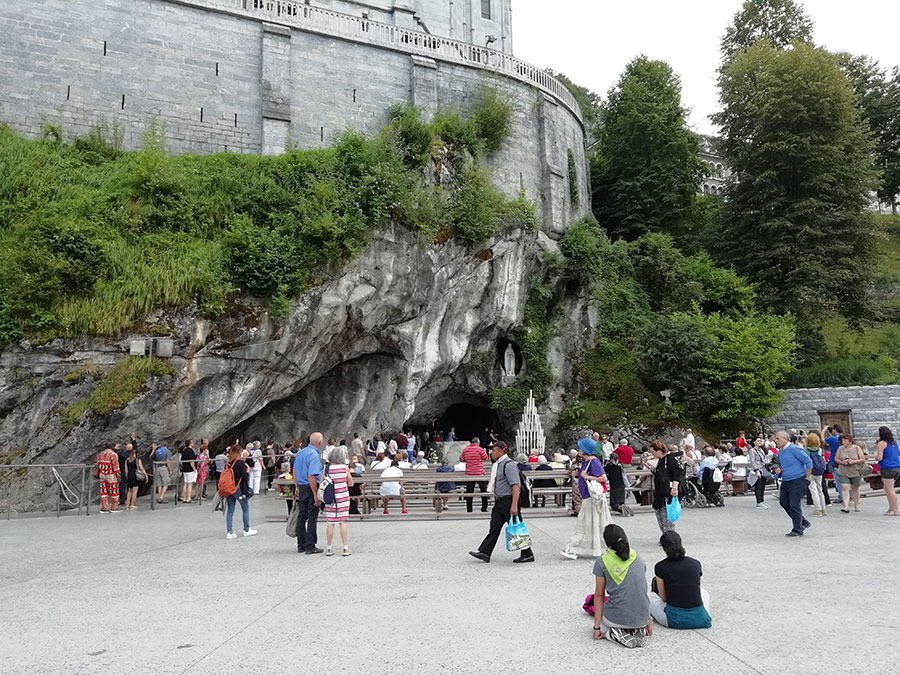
<point>162,469</point>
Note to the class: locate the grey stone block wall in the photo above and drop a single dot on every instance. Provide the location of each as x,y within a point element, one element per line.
<point>869,408</point>
<point>222,81</point>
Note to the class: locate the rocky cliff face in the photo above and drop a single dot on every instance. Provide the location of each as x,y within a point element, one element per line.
<point>403,332</point>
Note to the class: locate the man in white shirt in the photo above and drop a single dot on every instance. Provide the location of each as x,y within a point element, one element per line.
<point>606,447</point>
<point>381,462</point>
<point>392,489</point>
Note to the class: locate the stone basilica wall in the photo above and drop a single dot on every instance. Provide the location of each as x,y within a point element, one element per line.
<point>223,78</point>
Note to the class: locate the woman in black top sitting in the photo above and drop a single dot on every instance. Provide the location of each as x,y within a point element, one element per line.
<point>676,599</point>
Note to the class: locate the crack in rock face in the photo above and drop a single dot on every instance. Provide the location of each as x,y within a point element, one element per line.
<point>389,340</point>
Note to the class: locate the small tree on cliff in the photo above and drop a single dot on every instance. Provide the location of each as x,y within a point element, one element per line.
<point>647,168</point>
<point>795,219</point>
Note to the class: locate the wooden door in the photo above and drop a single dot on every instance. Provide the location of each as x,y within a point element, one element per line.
<point>828,419</point>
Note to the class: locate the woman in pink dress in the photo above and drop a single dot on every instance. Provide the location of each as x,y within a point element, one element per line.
<point>203,467</point>
<point>339,512</point>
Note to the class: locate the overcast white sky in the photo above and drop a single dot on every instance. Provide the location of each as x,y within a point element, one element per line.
<point>592,40</point>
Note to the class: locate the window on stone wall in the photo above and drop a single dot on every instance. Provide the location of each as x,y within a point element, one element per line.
<point>485,9</point>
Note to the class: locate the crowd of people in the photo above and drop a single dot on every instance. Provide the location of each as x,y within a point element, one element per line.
<point>802,464</point>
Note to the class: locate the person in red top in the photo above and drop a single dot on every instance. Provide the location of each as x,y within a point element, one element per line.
<point>741,441</point>
<point>474,456</point>
<point>108,472</point>
<point>625,452</point>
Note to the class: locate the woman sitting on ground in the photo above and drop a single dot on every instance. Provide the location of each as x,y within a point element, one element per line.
<point>620,572</point>
<point>676,599</point>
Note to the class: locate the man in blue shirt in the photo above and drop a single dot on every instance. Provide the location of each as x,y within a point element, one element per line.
<point>796,472</point>
<point>832,437</point>
<point>307,473</point>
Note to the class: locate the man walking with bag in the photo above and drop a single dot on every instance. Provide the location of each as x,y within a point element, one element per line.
<point>504,484</point>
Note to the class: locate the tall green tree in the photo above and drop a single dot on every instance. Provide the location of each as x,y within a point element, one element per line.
<point>646,170</point>
<point>780,21</point>
<point>795,220</point>
<point>878,100</point>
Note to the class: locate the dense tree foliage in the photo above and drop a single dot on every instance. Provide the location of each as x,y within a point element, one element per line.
<point>646,170</point>
<point>781,22</point>
<point>795,221</point>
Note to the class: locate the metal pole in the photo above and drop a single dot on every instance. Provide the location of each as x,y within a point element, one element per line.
<point>81,494</point>
<point>87,504</point>
<point>58,496</point>
<point>9,502</point>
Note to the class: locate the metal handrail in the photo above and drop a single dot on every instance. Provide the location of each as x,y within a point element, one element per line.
<point>327,21</point>
<point>60,488</point>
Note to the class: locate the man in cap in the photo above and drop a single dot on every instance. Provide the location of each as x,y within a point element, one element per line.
<point>504,484</point>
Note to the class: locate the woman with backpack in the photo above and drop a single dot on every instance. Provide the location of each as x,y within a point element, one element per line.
<point>339,510</point>
<point>814,449</point>
<point>234,487</point>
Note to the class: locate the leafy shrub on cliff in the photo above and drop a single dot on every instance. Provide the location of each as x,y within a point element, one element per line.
<point>719,367</point>
<point>671,321</point>
<point>93,238</point>
<point>120,385</point>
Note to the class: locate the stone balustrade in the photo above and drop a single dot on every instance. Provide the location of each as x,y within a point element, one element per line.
<point>360,29</point>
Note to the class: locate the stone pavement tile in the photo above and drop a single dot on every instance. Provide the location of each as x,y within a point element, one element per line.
<point>410,599</point>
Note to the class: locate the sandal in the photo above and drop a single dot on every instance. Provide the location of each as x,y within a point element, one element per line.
<point>891,513</point>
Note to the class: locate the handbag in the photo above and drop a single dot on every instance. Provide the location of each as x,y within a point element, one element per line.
<point>291,528</point>
<point>517,536</point>
<point>140,475</point>
<point>673,510</point>
<point>596,489</point>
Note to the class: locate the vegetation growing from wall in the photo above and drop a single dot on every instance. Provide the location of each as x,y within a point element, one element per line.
<point>574,193</point>
<point>120,385</point>
<point>93,238</point>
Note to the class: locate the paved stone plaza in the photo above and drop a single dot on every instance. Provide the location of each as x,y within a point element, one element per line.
<point>139,593</point>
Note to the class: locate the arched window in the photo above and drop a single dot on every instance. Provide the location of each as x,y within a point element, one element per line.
<point>705,189</point>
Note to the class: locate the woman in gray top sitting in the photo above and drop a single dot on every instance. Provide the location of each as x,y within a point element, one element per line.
<point>620,573</point>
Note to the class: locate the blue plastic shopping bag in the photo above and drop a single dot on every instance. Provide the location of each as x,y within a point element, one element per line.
<point>517,536</point>
<point>673,510</point>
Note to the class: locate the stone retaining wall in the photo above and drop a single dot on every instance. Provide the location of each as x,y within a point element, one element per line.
<point>869,408</point>
<point>221,78</point>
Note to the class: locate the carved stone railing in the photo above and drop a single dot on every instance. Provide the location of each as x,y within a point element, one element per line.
<point>319,20</point>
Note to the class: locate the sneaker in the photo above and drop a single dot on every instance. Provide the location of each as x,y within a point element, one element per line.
<point>628,638</point>
<point>762,506</point>
<point>794,534</point>
<point>329,550</point>
<point>104,511</point>
<point>313,551</point>
<point>115,511</point>
<point>566,553</point>
<point>807,525</point>
<point>346,551</point>
<point>231,535</point>
<point>249,533</point>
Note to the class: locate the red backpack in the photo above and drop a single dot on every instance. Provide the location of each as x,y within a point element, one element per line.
<point>227,486</point>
